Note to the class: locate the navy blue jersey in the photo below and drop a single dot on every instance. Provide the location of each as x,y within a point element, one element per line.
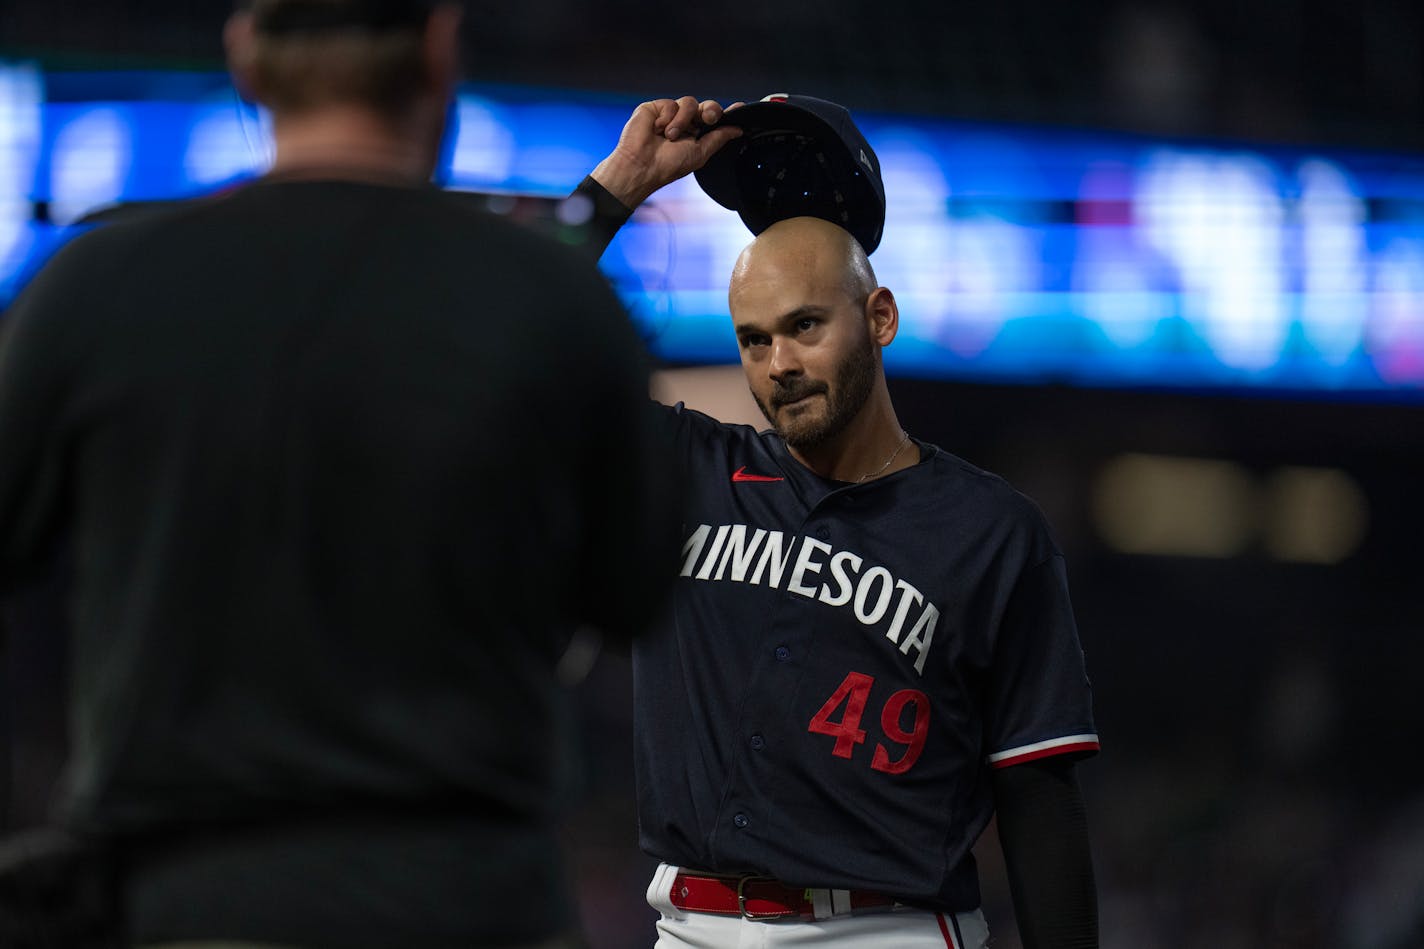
<point>843,665</point>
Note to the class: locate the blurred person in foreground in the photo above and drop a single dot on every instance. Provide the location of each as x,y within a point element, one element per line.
<point>340,463</point>
<point>871,649</point>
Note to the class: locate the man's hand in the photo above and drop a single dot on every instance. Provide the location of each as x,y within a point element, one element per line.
<point>660,144</point>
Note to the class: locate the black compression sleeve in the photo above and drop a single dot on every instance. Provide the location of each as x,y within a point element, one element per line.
<point>609,214</point>
<point>1043,829</point>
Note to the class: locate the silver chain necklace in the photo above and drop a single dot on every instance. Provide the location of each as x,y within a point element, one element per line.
<point>904,438</point>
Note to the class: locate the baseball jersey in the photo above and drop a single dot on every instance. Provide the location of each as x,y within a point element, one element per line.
<point>843,666</point>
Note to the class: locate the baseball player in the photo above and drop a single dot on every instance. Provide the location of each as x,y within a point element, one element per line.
<point>871,648</point>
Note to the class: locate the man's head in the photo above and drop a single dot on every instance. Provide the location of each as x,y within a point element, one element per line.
<point>810,323</point>
<point>385,56</point>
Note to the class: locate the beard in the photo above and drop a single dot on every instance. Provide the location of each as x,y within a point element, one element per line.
<point>845,396</point>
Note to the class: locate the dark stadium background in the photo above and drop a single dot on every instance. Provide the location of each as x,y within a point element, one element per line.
<point>1261,782</point>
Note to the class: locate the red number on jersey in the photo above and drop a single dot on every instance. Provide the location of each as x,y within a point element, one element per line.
<point>915,738</point>
<point>853,691</point>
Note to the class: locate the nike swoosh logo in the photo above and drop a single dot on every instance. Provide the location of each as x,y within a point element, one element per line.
<point>741,475</point>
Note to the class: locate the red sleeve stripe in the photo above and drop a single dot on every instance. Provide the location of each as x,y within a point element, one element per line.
<point>1044,749</point>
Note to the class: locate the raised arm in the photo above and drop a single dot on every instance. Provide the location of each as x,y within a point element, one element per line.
<point>663,140</point>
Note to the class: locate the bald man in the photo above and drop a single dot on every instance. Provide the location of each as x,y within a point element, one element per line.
<point>871,646</point>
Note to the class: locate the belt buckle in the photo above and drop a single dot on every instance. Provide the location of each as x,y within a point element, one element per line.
<point>742,900</point>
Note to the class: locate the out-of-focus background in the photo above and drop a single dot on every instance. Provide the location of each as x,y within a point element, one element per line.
<point>1160,264</point>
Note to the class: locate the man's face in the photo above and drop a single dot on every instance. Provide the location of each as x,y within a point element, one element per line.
<point>807,352</point>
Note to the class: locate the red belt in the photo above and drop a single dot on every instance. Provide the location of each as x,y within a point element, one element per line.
<point>764,898</point>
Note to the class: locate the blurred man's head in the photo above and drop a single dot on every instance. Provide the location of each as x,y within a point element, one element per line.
<point>810,323</point>
<point>396,60</point>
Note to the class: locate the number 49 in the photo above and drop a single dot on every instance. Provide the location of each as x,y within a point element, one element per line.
<point>853,693</point>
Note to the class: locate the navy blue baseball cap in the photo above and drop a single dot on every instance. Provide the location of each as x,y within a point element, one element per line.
<point>308,16</point>
<point>798,157</point>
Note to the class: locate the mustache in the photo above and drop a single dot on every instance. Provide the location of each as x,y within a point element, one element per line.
<point>798,389</point>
